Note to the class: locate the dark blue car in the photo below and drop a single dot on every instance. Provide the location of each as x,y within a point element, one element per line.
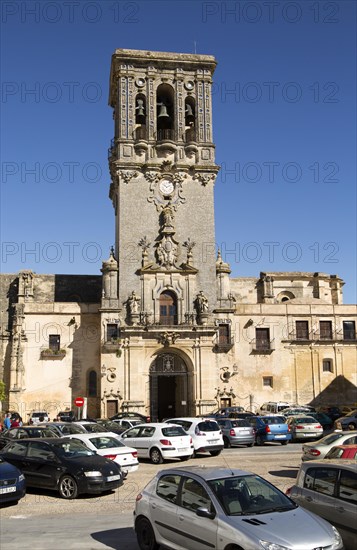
<point>12,483</point>
<point>270,428</point>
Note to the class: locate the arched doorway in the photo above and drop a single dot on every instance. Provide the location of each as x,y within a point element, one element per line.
<point>168,308</point>
<point>170,393</point>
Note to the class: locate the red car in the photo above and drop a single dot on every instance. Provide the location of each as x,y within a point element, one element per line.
<point>348,452</point>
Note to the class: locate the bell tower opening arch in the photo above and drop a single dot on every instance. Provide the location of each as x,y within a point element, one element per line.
<point>171,385</point>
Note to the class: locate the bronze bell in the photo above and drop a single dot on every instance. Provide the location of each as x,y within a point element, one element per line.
<point>163,111</point>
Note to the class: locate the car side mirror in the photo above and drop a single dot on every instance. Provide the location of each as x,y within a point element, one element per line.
<point>205,513</point>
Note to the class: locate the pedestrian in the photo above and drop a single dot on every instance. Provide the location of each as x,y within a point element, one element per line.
<point>15,423</point>
<point>7,421</point>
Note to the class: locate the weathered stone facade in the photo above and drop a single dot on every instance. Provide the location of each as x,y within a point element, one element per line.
<point>165,330</point>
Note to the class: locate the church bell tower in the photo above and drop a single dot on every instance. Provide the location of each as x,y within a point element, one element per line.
<point>162,289</point>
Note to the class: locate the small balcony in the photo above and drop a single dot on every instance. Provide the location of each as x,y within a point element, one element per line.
<point>48,353</point>
<point>112,345</point>
<point>222,345</point>
<point>262,346</point>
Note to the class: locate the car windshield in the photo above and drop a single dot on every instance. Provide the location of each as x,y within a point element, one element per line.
<point>93,427</point>
<point>173,431</point>
<point>70,429</point>
<point>331,438</point>
<point>40,432</point>
<point>249,495</point>
<point>109,424</point>
<point>105,442</point>
<point>208,426</point>
<point>72,449</point>
<point>352,413</point>
<point>274,420</point>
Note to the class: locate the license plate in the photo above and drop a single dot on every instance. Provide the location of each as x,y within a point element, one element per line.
<point>4,490</point>
<point>113,478</point>
<point>183,449</point>
<point>213,441</point>
<point>280,437</point>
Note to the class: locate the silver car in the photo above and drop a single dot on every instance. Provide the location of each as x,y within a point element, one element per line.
<point>304,427</point>
<point>329,489</point>
<point>197,508</point>
<point>319,449</point>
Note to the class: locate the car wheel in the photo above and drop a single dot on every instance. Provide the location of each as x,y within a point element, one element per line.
<point>215,453</point>
<point>68,487</point>
<point>227,443</point>
<point>351,426</point>
<point>156,456</point>
<point>284,442</point>
<point>259,441</point>
<point>145,535</point>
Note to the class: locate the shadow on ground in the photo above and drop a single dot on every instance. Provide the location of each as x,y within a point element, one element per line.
<point>118,539</point>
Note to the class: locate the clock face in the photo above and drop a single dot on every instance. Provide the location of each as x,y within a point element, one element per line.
<point>166,187</point>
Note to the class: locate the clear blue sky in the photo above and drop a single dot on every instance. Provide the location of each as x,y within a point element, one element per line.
<point>284,128</point>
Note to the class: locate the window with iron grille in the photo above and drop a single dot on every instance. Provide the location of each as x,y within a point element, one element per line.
<point>302,330</point>
<point>262,336</point>
<point>54,342</point>
<point>326,330</point>
<point>349,330</point>
<point>112,331</point>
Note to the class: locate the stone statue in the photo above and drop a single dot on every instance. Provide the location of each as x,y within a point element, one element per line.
<point>133,303</point>
<point>201,303</point>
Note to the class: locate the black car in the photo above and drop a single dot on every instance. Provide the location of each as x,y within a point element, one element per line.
<point>12,483</point>
<point>66,416</point>
<point>64,428</point>
<point>63,465</point>
<point>24,432</point>
<point>134,415</point>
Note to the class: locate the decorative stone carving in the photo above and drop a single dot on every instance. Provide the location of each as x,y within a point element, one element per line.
<point>128,175</point>
<point>189,246</point>
<point>167,339</point>
<point>167,252</point>
<point>204,178</point>
<point>145,245</point>
<point>152,176</point>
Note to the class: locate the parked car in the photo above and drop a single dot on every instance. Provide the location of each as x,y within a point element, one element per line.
<point>304,427</point>
<point>63,465</point>
<point>25,432</point>
<point>319,449</point>
<point>12,483</point>
<point>91,427</point>
<point>112,426</point>
<point>205,433</point>
<point>111,448</point>
<point>347,422</point>
<point>270,429</point>
<point>236,431</point>
<point>126,423</point>
<point>66,416</point>
<point>199,508</point>
<point>322,419</point>
<point>159,441</point>
<point>293,411</point>
<point>64,428</point>
<point>329,489</point>
<point>273,407</point>
<point>223,412</point>
<point>38,416</point>
<point>131,414</point>
<point>345,452</point>
<point>332,412</point>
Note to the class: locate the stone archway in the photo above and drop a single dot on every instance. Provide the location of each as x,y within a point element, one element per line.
<point>170,391</point>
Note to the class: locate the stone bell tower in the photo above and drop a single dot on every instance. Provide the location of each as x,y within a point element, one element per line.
<point>163,171</point>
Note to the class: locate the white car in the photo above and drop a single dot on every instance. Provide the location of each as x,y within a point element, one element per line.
<point>109,447</point>
<point>205,432</point>
<point>36,417</point>
<point>158,441</point>
<point>197,508</point>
